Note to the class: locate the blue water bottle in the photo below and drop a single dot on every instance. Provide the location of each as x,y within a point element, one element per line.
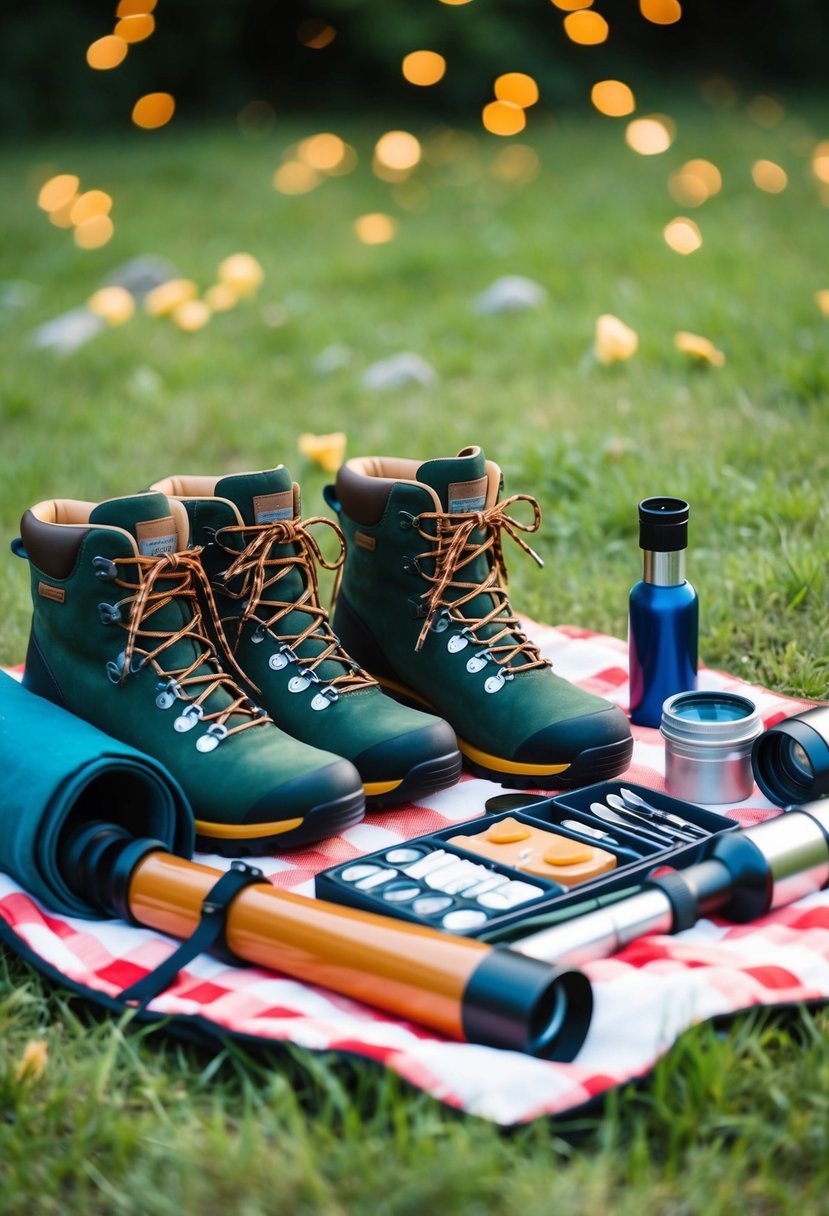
<point>663,622</point>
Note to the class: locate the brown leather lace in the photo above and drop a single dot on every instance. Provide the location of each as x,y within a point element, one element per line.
<point>454,549</point>
<point>261,571</point>
<point>179,573</point>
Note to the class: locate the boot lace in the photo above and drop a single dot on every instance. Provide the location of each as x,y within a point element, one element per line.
<point>454,548</point>
<point>160,581</point>
<point>261,571</point>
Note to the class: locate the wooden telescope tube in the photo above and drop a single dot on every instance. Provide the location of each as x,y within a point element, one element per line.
<point>457,986</point>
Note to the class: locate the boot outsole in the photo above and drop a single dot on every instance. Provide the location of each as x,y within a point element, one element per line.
<point>590,766</point>
<point>423,779</point>
<point>327,819</point>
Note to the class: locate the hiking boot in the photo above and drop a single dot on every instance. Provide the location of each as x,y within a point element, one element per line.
<point>118,638</point>
<point>423,606</point>
<point>263,561</point>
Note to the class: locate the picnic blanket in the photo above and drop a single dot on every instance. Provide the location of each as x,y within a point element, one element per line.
<point>645,996</point>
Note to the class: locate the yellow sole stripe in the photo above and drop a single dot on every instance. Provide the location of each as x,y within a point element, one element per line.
<point>372,788</point>
<point>245,831</point>
<point>497,763</point>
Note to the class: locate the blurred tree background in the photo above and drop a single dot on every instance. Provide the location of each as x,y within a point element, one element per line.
<point>215,58</point>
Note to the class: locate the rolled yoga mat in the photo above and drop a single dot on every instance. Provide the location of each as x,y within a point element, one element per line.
<point>55,771</point>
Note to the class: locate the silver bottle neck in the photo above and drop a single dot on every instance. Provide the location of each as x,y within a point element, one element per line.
<point>664,569</point>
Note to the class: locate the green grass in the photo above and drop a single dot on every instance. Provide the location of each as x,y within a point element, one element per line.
<point>130,1121</point>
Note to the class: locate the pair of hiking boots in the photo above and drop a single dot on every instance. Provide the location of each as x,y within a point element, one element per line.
<point>187,622</point>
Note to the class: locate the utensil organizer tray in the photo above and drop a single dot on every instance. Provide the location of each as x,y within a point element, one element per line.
<point>404,881</point>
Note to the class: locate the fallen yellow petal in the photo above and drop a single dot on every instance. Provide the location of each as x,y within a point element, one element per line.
<point>327,451</point>
<point>822,298</point>
<point>163,299</point>
<point>114,304</point>
<point>614,340</point>
<point>32,1063</point>
<point>699,348</point>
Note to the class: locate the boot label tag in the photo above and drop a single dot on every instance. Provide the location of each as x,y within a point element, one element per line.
<point>157,536</point>
<point>467,495</point>
<point>364,541</point>
<point>48,592</point>
<point>267,508</point>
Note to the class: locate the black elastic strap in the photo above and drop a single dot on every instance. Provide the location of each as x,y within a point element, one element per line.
<point>207,935</point>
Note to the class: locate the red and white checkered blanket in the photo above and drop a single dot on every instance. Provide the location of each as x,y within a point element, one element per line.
<point>644,997</point>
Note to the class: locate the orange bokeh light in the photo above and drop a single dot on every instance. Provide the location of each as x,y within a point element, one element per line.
<point>135,28</point>
<point>424,67</point>
<point>571,6</point>
<point>58,191</point>
<point>91,202</point>
<point>517,87</point>
<point>769,177</point>
<point>820,161</point>
<point>315,33</point>
<point>682,235</point>
<point>106,52</point>
<point>134,8</point>
<point>661,12</point>
<point>649,136</point>
<point>294,177</point>
<point>324,151</point>
<point>94,232</point>
<point>153,110</point>
<point>503,118</point>
<point>398,150</point>
<point>613,98</point>
<point>376,228</point>
<point>586,27</point>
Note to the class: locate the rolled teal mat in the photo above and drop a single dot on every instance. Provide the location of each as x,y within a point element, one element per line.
<point>57,771</point>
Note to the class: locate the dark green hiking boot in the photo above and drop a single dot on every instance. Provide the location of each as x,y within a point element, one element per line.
<point>118,638</point>
<point>263,560</point>
<point>423,606</point>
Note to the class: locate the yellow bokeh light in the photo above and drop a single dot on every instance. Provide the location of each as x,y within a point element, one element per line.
<point>661,12</point>
<point>161,300</point>
<point>91,202</point>
<point>134,8</point>
<point>682,235</point>
<point>769,177</point>
<point>503,118</point>
<point>375,228</point>
<point>571,6</point>
<point>424,67</point>
<point>153,110</point>
<point>61,217</point>
<point>220,297</point>
<point>586,27</point>
<point>315,33</point>
<point>699,348</point>
<point>516,163</point>
<point>456,3</point>
<point>765,111</point>
<point>191,315</point>
<point>707,172</point>
<point>293,177</point>
<point>517,87</point>
<point>94,232</point>
<point>613,98</point>
<point>135,28</point>
<point>58,191</point>
<point>397,150</point>
<point>242,272</point>
<point>822,301</point>
<point>114,304</point>
<point>649,136</point>
<point>614,342</point>
<point>820,161</point>
<point>347,164</point>
<point>324,151</point>
<point>687,189</point>
<point>106,52</point>
<point>328,451</point>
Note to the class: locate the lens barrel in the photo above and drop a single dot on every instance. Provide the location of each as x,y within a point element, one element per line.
<point>791,760</point>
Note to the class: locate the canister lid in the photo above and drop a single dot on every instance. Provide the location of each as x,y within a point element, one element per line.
<point>663,524</point>
<point>710,719</point>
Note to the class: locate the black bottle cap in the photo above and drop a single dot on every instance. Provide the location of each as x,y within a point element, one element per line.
<point>663,524</point>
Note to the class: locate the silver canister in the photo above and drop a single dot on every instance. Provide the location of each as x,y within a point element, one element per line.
<point>708,739</point>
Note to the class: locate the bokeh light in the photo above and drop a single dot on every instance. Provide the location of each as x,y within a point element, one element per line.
<point>294,177</point>
<point>456,3</point>
<point>682,235</point>
<point>661,12</point>
<point>256,118</point>
<point>765,111</point>
<point>503,118</point>
<point>58,191</point>
<point>614,341</point>
<point>61,217</point>
<point>94,232</point>
<point>241,272</point>
<point>163,299</point>
<point>220,297</point>
<point>106,52</point>
<point>315,33</point>
<point>695,183</point>
<point>191,315</point>
<point>820,161</point>
<point>397,150</point>
<point>822,301</point>
<point>324,151</point>
<point>91,202</point>
<point>134,8</point>
<point>424,67</point>
<point>698,348</point>
<point>517,87</point>
<point>571,6</point>
<point>516,163</point>
<point>153,110</point>
<point>114,304</point>
<point>613,98</point>
<point>375,228</point>
<point>770,177</point>
<point>135,28</point>
<point>586,27</point>
<point>327,451</point>
<point>649,136</point>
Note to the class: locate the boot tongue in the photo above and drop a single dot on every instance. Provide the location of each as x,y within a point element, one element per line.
<point>149,518</point>
<point>260,498</point>
<point>460,482</point>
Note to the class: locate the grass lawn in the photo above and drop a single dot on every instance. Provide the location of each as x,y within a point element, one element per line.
<point>131,1121</point>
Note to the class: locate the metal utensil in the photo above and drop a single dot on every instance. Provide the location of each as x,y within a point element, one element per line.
<point>631,824</point>
<point>622,807</point>
<point>637,803</point>
<point>595,833</point>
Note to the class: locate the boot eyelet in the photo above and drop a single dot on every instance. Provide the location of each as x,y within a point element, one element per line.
<point>324,698</point>
<point>282,658</point>
<point>456,643</point>
<point>189,718</point>
<point>407,521</point>
<point>115,668</point>
<point>418,607</point>
<point>109,613</point>
<point>494,683</point>
<point>258,635</point>
<point>300,683</point>
<point>104,568</point>
<point>410,564</point>
<point>209,741</point>
<point>168,693</point>
<point>441,621</point>
<point>478,661</point>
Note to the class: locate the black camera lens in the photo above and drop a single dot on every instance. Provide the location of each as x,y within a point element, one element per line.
<point>791,760</point>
